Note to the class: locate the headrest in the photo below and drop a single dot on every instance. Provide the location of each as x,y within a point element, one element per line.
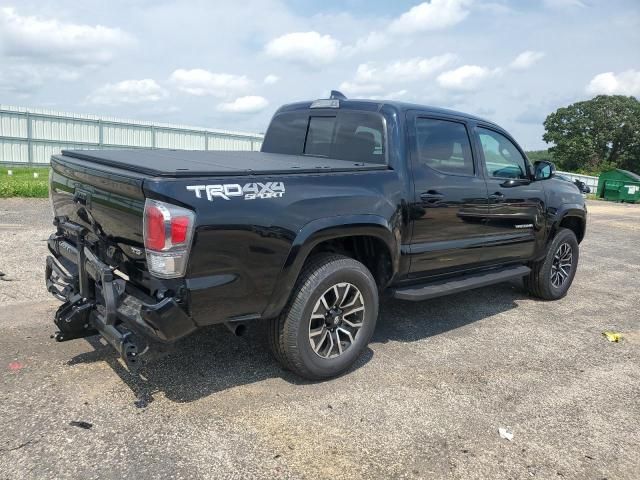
<point>437,146</point>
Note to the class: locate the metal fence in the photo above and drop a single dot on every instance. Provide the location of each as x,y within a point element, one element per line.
<point>30,136</point>
<point>591,182</point>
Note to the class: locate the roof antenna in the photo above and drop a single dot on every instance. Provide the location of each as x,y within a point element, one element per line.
<point>336,95</point>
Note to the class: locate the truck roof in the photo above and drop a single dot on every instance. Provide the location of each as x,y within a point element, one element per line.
<point>376,105</point>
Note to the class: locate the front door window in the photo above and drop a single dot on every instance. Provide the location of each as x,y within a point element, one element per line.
<point>501,157</point>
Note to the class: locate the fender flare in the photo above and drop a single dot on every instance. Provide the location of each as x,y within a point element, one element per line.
<point>321,230</point>
<point>567,210</point>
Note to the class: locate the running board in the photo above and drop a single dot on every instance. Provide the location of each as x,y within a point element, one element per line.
<point>459,284</point>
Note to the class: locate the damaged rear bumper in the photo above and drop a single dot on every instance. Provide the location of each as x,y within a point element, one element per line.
<point>96,300</point>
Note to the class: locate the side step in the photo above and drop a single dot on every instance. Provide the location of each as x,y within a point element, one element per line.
<point>459,284</point>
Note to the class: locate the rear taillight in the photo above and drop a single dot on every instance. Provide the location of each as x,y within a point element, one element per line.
<point>154,235</point>
<point>179,229</point>
<point>168,230</point>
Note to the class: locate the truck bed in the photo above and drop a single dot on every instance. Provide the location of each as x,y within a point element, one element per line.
<point>190,163</point>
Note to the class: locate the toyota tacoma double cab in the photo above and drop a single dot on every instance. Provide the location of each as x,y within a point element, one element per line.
<point>346,201</point>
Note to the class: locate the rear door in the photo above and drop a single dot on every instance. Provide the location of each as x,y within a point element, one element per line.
<point>515,221</point>
<point>449,204</point>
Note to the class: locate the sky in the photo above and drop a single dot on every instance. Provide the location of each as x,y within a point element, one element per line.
<point>230,65</point>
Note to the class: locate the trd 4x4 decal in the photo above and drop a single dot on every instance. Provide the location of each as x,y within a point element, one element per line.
<point>250,191</point>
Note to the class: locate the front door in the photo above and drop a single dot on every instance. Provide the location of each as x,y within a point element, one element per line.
<point>516,219</point>
<point>449,206</point>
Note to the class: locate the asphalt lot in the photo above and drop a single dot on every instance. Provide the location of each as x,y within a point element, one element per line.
<point>425,401</point>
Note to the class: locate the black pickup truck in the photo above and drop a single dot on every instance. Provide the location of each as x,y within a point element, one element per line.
<point>348,200</point>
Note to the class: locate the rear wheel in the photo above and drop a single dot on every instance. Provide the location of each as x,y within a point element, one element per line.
<point>551,277</point>
<point>329,320</point>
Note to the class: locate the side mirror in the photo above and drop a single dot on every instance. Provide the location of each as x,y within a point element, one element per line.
<point>543,170</point>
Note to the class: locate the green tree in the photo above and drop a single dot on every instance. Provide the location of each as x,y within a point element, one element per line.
<point>535,155</point>
<point>596,135</point>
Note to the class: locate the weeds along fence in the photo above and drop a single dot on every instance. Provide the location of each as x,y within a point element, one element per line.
<point>29,136</point>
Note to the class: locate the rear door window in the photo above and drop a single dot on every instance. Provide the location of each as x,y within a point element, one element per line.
<point>444,145</point>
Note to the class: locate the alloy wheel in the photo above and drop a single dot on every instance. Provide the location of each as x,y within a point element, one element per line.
<point>562,264</point>
<point>337,317</point>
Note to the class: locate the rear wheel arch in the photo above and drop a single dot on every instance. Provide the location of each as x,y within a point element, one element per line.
<point>370,250</point>
<point>365,238</point>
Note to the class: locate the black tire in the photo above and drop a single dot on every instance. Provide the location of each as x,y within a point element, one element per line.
<point>539,282</point>
<point>289,334</point>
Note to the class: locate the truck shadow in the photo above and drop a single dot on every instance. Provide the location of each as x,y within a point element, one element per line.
<point>214,360</point>
<point>406,321</point>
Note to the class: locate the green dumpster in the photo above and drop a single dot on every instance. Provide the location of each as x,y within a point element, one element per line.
<point>619,186</point>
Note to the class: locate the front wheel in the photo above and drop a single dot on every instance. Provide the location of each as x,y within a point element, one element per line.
<point>551,277</point>
<point>329,320</point>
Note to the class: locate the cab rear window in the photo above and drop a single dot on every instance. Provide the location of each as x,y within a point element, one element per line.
<point>286,133</point>
<point>353,136</point>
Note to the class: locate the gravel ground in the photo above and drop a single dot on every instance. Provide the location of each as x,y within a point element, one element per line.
<point>425,400</point>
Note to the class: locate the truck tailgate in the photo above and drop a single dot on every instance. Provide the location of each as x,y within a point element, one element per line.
<point>107,201</point>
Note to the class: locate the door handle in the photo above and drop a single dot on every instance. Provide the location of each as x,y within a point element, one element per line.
<point>497,197</point>
<point>431,196</point>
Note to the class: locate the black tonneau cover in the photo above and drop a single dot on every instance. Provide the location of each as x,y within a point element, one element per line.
<point>190,163</point>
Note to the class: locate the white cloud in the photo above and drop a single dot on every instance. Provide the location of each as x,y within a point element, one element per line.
<point>20,80</point>
<point>271,79</point>
<point>465,78</point>
<point>25,79</point>
<point>306,47</point>
<point>564,3</point>
<point>369,43</point>
<point>409,70</point>
<point>351,88</point>
<point>128,91</point>
<point>390,95</point>
<point>201,82</point>
<point>248,104</point>
<point>431,15</point>
<point>57,42</point>
<point>371,78</point>
<point>397,94</point>
<point>609,83</point>
<point>526,60</point>
<point>496,8</point>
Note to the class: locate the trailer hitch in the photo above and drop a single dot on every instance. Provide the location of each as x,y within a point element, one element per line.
<point>73,319</point>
